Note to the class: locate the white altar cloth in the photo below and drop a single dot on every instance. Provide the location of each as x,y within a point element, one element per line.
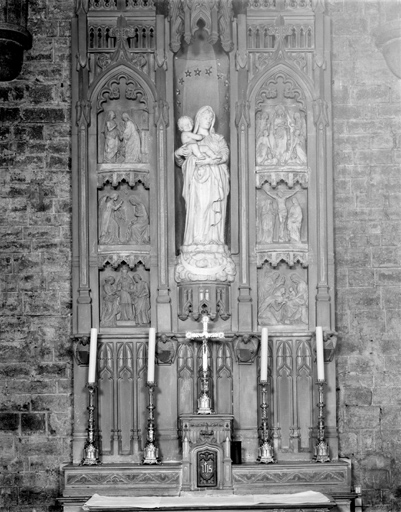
<point>205,500</point>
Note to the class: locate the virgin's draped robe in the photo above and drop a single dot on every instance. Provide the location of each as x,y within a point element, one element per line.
<point>205,192</point>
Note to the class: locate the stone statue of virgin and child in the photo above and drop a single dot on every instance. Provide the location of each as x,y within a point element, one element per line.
<point>203,158</point>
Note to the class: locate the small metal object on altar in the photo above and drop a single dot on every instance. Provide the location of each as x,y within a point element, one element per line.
<point>265,452</point>
<point>90,451</point>
<point>204,401</point>
<point>322,453</point>
<point>151,452</point>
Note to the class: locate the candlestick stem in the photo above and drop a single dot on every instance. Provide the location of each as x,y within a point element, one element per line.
<point>321,448</point>
<point>90,451</point>
<point>266,455</point>
<point>151,452</point>
<point>204,401</point>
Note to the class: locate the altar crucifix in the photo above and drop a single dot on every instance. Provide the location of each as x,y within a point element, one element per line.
<point>204,400</point>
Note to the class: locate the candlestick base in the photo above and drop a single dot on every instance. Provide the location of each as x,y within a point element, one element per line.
<point>266,454</point>
<point>90,456</point>
<point>150,454</point>
<point>204,403</point>
<point>321,452</point>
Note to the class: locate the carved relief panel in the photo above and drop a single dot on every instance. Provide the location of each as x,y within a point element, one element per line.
<point>282,215</point>
<point>123,122</point>
<point>283,296</point>
<point>125,297</point>
<point>124,216</point>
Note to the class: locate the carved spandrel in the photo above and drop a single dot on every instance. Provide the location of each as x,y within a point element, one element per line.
<point>125,298</point>
<point>282,297</point>
<point>123,216</point>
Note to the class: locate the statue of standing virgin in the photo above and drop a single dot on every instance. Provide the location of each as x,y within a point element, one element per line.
<point>204,255</point>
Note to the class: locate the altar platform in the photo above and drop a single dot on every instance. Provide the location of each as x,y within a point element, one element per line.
<point>309,500</point>
<point>249,480</point>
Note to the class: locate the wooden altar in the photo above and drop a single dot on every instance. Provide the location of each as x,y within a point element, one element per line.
<point>202,175</point>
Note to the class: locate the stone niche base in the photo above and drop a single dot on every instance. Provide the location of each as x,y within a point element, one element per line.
<point>81,483</point>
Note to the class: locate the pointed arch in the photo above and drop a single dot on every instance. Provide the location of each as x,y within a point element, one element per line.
<point>285,67</point>
<point>132,71</point>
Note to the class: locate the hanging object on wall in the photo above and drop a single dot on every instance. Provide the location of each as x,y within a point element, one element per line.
<point>14,38</point>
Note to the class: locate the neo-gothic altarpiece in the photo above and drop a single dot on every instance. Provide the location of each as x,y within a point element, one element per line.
<point>202,185</point>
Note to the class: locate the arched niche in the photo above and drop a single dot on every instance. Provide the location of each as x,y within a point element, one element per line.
<point>121,153</point>
<point>282,164</point>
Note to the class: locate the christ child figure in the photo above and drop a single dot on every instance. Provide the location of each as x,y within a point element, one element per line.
<point>191,140</point>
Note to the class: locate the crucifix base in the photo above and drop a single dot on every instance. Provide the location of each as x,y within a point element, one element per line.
<point>204,404</point>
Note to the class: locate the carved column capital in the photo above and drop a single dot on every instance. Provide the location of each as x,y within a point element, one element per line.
<point>161,112</point>
<point>242,115</point>
<point>320,114</point>
<point>241,59</point>
<point>83,112</point>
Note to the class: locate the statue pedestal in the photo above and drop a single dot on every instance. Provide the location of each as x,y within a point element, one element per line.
<point>198,299</point>
<point>210,262</point>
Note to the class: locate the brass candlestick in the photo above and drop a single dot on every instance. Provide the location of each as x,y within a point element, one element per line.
<point>321,448</point>
<point>90,451</point>
<point>266,454</point>
<point>151,452</point>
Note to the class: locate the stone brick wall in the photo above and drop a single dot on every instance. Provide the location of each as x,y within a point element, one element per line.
<point>367,144</point>
<point>35,255</point>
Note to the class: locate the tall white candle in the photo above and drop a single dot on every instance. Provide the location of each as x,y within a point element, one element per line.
<point>319,353</point>
<point>151,354</point>
<point>92,357</point>
<point>204,357</point>
<point>263,355</point>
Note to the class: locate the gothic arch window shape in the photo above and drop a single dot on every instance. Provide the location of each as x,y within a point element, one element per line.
<point>125,390</point>
<point>185,369</point>
<point>106,396</point>
<point>224,378</point>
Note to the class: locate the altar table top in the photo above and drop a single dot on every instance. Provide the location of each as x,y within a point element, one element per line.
<point>199,500</point>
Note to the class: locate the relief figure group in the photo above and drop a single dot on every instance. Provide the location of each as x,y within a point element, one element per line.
<point>282,299</point>
<point>275,213</point>
<point>122,220</point>
<point>281,138</point>
<point>122,142</point>
<point>125,299</point>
